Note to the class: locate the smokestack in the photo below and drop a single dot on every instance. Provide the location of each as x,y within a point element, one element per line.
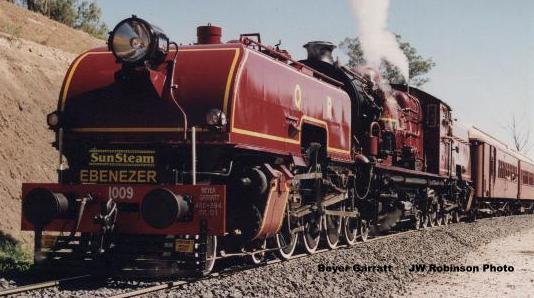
<point>320,51</point>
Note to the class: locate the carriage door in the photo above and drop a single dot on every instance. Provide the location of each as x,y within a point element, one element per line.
<point>492,169</point>
<point>519,178</point>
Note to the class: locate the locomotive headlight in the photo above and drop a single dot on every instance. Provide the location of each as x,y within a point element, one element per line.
<point>135,40</point>
<point>216,117</point>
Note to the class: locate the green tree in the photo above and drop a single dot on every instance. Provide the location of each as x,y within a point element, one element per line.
<point>83,15</point>
<point>89,19</point>
<point>419,66</point>
<point>64,11</point>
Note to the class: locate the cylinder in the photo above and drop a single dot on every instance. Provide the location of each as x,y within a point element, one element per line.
<point>209,34</point>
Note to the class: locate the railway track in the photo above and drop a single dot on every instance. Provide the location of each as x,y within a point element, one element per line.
<point>42,285</point>
<point>178,284</point>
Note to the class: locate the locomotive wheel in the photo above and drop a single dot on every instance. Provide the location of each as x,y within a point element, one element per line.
<point>455,217</point>
<point>257,258</point>
<point>350,230</point>
<point>417,221</point>
<point>311,235</point>
<point>472,215</point>
<point>424,221</point>
<point>446,219</point>
<point>439,220</point>
<point>364,230</point>
<point>332,230</point>
<point>431,219</point>
<point>286,241</point>
<point>211,255</point>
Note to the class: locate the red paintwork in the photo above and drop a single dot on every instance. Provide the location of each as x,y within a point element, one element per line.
<point>461,152</point>
<point>209,203</point>
<point>411,123</point>
<point>498,169</point>
<point>196,68</point>
<point>262,113</point>
<point>441,138</point>
<point>402,116</point>
<point>527,179</point>
<point>207,76</point>
<point>209,34</point>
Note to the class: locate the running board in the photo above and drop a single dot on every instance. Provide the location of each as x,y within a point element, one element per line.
<point>308,176</point>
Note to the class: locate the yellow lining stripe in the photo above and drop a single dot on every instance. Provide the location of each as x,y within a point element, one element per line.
<point>77,61</point>
<point>132,129</point>
<point>264,136</point>
<point>122,150</point>
<point>272,137</point>
<point>229,81</point>
<point>289,140</point>
<point>236,86</point>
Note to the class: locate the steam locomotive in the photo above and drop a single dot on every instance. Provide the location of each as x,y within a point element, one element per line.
<point>173,156</point>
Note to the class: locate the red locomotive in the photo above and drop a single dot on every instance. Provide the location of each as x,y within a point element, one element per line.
<point>173,156</point>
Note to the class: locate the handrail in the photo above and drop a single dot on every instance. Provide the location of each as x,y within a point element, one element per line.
<point>276,54</point>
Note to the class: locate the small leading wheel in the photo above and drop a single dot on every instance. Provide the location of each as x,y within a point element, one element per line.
<point>364,230</point>
<point>211,255</point>
<point>332,230</point>
<point>311,235</point>
<point>350,230</point>
<point>257,258</point>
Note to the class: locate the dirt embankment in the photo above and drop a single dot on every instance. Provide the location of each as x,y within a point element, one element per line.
<point>35,53</point>
<point>21,23</point>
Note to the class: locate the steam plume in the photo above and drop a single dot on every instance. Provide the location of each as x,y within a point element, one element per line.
<point>376,40</point>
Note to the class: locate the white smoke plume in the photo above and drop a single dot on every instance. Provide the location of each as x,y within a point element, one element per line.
<point>376,40</point>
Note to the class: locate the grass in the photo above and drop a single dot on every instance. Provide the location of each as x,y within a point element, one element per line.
<point>12,29</point>
<point>13,258</point>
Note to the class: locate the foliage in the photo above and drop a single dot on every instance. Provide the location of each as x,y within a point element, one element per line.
<point>12,257</point>
<point>419,66</point>
<point>83,15</point>
<point>12,29</point>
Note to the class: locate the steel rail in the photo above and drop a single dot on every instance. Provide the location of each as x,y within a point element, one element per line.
<point>177,284</point>
<point>41,285</point>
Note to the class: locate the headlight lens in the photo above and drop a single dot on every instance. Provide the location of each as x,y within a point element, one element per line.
<point>130,41</point>
<point>216,117</point>
<point>135,40</point>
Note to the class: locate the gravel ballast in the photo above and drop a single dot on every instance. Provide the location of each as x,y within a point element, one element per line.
<point>302,277</point>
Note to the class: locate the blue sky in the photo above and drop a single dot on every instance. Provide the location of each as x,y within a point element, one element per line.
<point>484,49</point>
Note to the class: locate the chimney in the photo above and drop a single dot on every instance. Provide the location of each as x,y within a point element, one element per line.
<point>209,34</point>
<point>320,51</point>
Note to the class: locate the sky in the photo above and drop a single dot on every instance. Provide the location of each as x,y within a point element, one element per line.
<point>483,49</point>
